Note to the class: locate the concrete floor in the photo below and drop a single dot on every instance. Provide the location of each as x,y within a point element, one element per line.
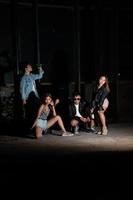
<point>85,164</point>
<point>119,138</point>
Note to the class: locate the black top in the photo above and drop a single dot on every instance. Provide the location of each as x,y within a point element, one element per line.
<point>83,109</point>
<point>98,98</point>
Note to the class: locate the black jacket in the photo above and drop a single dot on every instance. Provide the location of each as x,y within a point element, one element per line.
<point>83,109</point>
<point>99,97</point>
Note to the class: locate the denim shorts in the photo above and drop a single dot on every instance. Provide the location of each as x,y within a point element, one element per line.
<point>42,124</point>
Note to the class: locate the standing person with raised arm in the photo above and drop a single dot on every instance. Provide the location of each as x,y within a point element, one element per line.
<point>29,94</point>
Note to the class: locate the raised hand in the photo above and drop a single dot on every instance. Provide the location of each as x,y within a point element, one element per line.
<point>57,101</point>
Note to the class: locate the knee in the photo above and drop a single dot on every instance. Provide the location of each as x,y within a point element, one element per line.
<point>38,133</point>
<point>101,112</point>
<point>73,123</point>
<point>57,117</point>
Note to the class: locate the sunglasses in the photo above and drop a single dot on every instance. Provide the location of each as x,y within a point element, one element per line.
<point>76,98</point>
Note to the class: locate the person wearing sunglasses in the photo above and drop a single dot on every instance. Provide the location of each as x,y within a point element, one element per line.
<point>78,114</point>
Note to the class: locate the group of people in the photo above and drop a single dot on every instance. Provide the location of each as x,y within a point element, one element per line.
<point>82,115</point>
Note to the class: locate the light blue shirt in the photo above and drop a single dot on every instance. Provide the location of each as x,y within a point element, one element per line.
<point>28,84</point>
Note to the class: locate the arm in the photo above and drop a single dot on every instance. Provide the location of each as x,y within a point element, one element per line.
<point>39,75</point>
<point>52,105</point>
<point>22,90</point>
<point>38,115</point>
<point>54,111</point>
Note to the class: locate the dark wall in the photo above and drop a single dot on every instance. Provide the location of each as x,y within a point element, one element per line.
<point>105,42</point>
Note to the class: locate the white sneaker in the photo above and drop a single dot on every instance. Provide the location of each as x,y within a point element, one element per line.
<point>99,132</point>
<point>76,130</point>
<point>67,134</point>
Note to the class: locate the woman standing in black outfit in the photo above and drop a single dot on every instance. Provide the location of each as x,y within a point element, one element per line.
<point>100,103</point>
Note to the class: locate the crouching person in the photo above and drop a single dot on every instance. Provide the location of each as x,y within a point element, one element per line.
<point>78,115</point>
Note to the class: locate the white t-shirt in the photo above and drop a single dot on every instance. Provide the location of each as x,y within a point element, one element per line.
<point>77,111</point>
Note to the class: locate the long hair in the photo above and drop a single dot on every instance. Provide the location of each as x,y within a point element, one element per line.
<point>45,96</point>
<point>107,84</point>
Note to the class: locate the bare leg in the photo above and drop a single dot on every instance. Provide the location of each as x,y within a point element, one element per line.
<point>38,132</point>
<point>57,119</point>
<point>92,123</point>
<point>74,123</point>
<point>103,122</point>
<point>74,126</point>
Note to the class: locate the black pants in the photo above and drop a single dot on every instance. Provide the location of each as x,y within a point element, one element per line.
<point>31,109</point>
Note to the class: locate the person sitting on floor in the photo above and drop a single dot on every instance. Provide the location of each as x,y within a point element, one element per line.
<point>47,117</point>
